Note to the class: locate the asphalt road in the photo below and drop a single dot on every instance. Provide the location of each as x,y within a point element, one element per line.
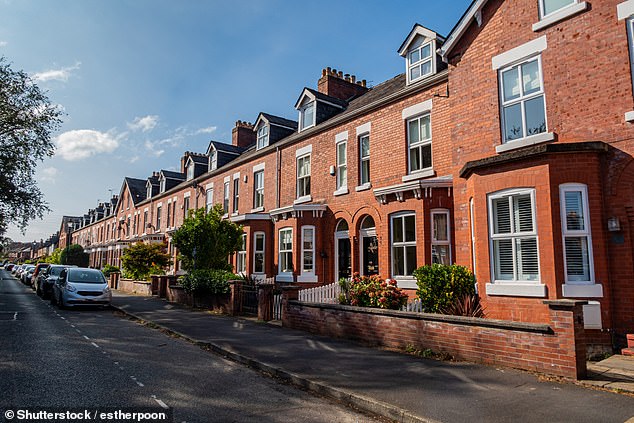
<point>95,358</point>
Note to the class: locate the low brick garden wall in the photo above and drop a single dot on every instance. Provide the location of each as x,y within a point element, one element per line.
<point>555,348</point>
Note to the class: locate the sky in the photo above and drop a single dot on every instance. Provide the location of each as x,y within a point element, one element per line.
<point>142,81</point>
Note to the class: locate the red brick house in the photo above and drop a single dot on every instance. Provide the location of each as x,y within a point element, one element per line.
<point>505,147</point>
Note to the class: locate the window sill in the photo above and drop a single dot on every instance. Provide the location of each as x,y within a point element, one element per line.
<point>425,173</point>
<point>363,187</point>
<point>226,215</point>
<point>514,289</point>
<point>234,213</point>
<point>257,210</point>
<point>594,290</point>
<point>560,15</point>
<point>341,191</point>
<point>304,199</point>
<point>525,142</point>
<point>629,116</point>
<point>405,283</point>
<point>284,277</point>
<point>309,277</point>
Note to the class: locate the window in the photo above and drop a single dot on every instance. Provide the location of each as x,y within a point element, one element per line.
<point>169,215</point>
<point>241,259</point>
<point>258,254</point>
<point>575,225</point>
<point>158,218</point>
<point>307,115</point>
<point>213,160</point>
<point>225,200</point>
<point>419,141</point>
<point>286,251</point>
<point>630,36</point>
<point>174,214</point>
<point>209,199</point>
<point>263,136</point>
<point>308,249</point>
<point>258,189</point>
<point>403,239</point>
<point>236,194</point>
<point>419,61</point>
<point>514,236</point>
<point>342,165</point>
<point>303,176</point>
<point>522,98</point>
<point>162,184</point>
<point>364,159</point>
<point>186,205</point>
<point>440,246</point>
<point>134,224</point>
<point>546,7</point>
<point>145,222</point>
<point>148,193</point>
<point>190,172</point>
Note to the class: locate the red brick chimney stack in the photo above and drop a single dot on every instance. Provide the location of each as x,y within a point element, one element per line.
<point>344,87</point>
<point>242,134</point>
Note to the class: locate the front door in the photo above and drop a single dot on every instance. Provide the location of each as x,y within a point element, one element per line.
<point>343,258</point>
<point>370,252</point>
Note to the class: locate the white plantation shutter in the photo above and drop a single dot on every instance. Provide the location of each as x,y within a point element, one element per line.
<point>576,233</point>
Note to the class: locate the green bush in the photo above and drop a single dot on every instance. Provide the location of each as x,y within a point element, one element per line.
<point>205,281</point>
<point>372,291</point>
<point>108,269</point>
<point>441,285</point>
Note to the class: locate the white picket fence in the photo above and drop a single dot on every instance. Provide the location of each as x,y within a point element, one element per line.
<point>328,294</point>
<point>414,306</point>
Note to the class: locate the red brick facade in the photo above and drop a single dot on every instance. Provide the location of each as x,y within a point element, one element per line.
<point>586,140</point>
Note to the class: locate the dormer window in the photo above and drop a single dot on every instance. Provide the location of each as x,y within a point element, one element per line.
<point>162,184</point>
<point>263,136</point>
<point>213,160</point>
<point>307,115</point>
<point>419,62</point>
<point>149,190</point>
<point>190,171</point>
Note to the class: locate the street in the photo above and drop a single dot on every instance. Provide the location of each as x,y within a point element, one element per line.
<point>96,358</point>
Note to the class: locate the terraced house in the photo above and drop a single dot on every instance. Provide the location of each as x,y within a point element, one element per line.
<point>505,146</point>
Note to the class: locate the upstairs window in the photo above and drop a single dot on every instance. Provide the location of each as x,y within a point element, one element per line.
<point>342,165</point>
<point>158,219</point>
<point>162,184</point>
<point>307,115</point>
<point>303,176</point>
<point>419,141</point>
<point>213,160</point>
<point>236,194</point>
<point>419,62</point>
<point>169,215</point>
<point>522,99</point>
<point>364,160</point>
<point>258,189</point>
<point>209,200</point>
<point>225,199</point>
<point>148,191</point>
<point>186,206</point>
<point>575,224</point>
<point>190,172</point>
<point>547,7</point>
<point>263,136</point>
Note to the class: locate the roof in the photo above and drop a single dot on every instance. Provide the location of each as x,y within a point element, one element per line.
<point>152,180</point>
<point>198,159</point>
<point>136,188</point>
<point>473,11</point>
<point>278,121</point>
<point>321,97</point>
<point>173,175</point>
<point>418,29</point>
<point>225,148</point>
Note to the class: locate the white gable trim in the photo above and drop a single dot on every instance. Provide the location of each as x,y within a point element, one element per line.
<point>474,12</point>
<point>417,30</point>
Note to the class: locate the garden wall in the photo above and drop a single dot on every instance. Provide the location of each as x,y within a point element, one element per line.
<point>135,287</point>
<point>556,348</point>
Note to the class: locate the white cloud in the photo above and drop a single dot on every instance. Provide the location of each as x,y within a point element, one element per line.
<point>49,174</point>
<point>84,143</point>
<point>56,74</point>
<point>144,124</point>
<point>3,43</point>
<point>207,130</point>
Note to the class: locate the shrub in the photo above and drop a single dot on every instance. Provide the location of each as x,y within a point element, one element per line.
<point>142,260</point>
<point>74,254</point>
<point>205,281</point>
<point>372,291</point>
<point>440,285</point>
<point>467,305</point>
<point>109,269</point>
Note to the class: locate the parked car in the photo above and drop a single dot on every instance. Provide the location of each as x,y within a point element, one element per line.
<point>9,267</point>
<point>39,268</point>
<point>17,269</point>
<point>27,272</point>
<point>81,286</point>
<point>46,279</point>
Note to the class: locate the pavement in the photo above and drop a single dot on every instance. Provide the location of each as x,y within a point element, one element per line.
<point>398,386</point>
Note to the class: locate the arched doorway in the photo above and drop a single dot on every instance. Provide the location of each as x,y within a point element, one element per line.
<point>342,250</point>
<point>368,247</point>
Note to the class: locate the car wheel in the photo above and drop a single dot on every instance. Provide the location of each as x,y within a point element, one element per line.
<point>53,299</point>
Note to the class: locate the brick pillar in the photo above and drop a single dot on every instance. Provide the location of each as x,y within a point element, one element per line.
<point>289,293</point>
<point>236,294</point>
<point>114,280</point>
<point>265,302</point>
<point>566,318</point>
<point>155,284</point>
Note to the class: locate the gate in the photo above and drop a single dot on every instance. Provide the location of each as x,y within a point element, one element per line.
<point>249,297</point>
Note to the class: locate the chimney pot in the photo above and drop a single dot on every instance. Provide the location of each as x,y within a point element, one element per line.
<point>353,78</point>
<point>340,74</point>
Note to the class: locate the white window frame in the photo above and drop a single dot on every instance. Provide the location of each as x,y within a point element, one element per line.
<point>148,190</point>
<point>285,276</point>
<point>262,136</point>
<point>515,286</point>
<point>630,41</point>
<point>258,189</point>
<point>209,200</point>
<point>307,275</point>
<point>402,244</point>
<point>441,242</point>
<point>226,198</point>
<point>560,14</point>
<point>419,145</point>
<point>542,8</point>
<point>236,194</point>
<point>256,235</point>
<point>162,184</point>
<point>305,193</point>
<point>422,60</point>
<point>363,159</point>
<point>241,256</point>
<point>191,171</point>
<point>213,159</point>
<point>574,287</point>
<point>522,99</point>
<point>186,206</point>
<point>158,217</point>
<point>302,113</point>
<point>342,165</point>
<point>168,217</point>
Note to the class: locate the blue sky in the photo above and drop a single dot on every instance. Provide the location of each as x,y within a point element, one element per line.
<point>143,81</point>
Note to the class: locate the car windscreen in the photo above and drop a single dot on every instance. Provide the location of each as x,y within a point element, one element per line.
<point>85,276</point>
<point>55,271</point>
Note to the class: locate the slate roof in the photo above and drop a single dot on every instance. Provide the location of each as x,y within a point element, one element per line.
<point>173,175</point>
<point>378,92</point>
<point>324,97</point>
<point>136,188</point>
<point>226,148</point>
<point>280,121</point>
<point>199,159</point>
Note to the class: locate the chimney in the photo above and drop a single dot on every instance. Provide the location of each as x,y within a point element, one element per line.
<point>334,83</point>
<point>243,135</point>
<point>184,161</point>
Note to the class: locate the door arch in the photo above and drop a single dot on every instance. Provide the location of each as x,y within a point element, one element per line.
<point>368,247</point>
<point>342,250</point>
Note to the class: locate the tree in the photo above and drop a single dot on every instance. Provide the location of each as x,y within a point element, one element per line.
<point>140,260</point>
<point>27,119</point>
<point>55,257</point>
<point>74,255</point>
<point>205,240</point>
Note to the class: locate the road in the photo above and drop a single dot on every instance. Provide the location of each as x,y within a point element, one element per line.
<point>96,358</point>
